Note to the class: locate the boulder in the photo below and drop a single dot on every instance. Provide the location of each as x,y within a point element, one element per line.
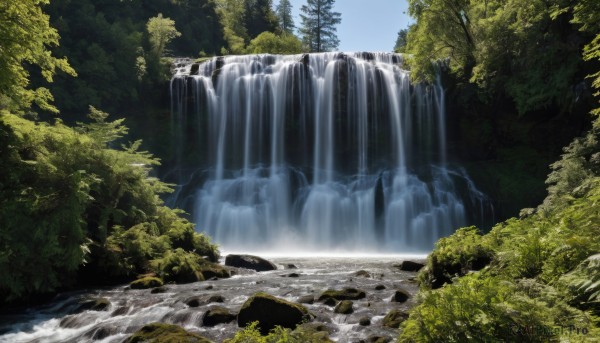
<point>344,294</point>
<point>161,289</point>
<point>213,270</point>
<point>270,311</point>
<point>217,315</point>
<point>394,318</point>
<point>146,282</point>
<point>344,307</point>
<point>400,296</point>
<point>364,321</point>
<point>290,266</point>
<point>330,302</point>
<point>249,262</point>
<point>164,333</point>
<point>94,304</point>
<point>379,287</point>
<point>411,266</point>
<point>306,299</point>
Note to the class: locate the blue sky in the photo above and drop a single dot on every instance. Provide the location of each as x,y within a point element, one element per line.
<point>367,25</point>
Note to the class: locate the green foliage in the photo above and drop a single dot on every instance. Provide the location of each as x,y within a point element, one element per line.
<point>506,47</point>
<point>544,274</point>
<point>302,334</point>
<point>401,41</point>
<point>270,43</point>
<point>455,256</point>
<point>71,204</point>
<point>284,15</point>
<point>260,17</point>
<point>161,31</point>
<point>146,282</point>
<point>26,38</point>
<point>319,25</point>
<point>164,333</point>
<point>179,266</point>
<point>583,285</point>
<point>484,308</point>
<point>232,16</point>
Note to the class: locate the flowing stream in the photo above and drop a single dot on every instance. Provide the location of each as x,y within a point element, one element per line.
<point>317,152</point>
<point>129,310</point>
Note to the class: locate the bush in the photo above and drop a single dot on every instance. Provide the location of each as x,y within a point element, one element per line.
<point>456,255</point>
<point>302,334</point>
<point>73,209</point>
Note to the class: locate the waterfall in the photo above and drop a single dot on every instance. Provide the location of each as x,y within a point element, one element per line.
<point>317,152</point>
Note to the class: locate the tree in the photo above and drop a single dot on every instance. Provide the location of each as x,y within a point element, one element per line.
<point>25,39</point>
<point>260,17</point>
<point>232,15</point>
<point>284,14</point>
<point>268,42</point>
<point>401,41</point>
<point>319,25</point>
<point>161,31</point>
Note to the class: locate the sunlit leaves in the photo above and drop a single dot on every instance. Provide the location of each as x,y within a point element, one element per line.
<point>25,40</point>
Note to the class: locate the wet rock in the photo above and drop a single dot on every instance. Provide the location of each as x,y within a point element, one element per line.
<point>344,294</point>
<point>291,275</point>
<point>400,296</point>
<point>364,321</point>
<point>120,311</point>
<point>213,271</point>
<point>204,300</point>
<point>194,69</point>
<point>378,339</point>
<point>330,302</point>
<point>70,322</point>
<point>160,332</point>
<point>394,318</point>
<point>249,262</point>
<point>146,282</point>
<point>410,266</point>
<point>344,307</point>
<point>290,266</point>
<point>217,315</point>
<point>94,304</point>
<point>270,311</point>
<point>306,299</point>
<point>379,287</point>
<point>101,333</point>
<point>161,289</point>
<point>209,287</point>
<point>362,273</point>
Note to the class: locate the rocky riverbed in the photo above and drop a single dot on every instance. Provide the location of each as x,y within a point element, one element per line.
<point>115,313</point>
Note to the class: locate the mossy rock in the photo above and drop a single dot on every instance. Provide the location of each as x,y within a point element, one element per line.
<point>270,311</point>
<point>364,321</point>
<point>164,333</point>
<point>344,307</point>
<point>94,304</point>
<point>344,294</point>
<point>146,282</point>
<point>400,296</point>
<point>217,315</point>
<point>394,318</point>
<point>212,270</point>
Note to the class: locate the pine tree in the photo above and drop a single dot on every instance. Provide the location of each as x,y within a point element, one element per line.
<point>319,25</point>
<point>259,17</point>
<point>284,14</point>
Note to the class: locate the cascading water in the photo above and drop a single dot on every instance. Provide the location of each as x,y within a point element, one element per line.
<point>317,152</point>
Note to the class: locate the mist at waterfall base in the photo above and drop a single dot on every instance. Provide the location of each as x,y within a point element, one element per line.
<point>316,153</point>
